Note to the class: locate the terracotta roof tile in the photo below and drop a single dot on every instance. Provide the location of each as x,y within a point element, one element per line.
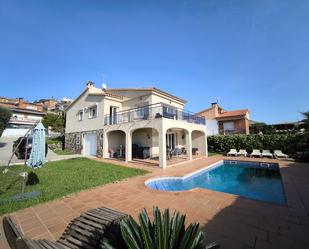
<point>234,113</point>
<point>16,108</point>
<point>8,105</point>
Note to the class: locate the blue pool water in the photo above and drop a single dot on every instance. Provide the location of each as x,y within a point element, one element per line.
<point>254,180</point>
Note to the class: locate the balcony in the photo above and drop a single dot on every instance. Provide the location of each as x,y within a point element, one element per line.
<point>154,111</point>
<point>232,132</point>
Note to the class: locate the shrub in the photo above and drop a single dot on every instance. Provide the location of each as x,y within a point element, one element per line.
<point>163,233</point>
<point>288,143</point>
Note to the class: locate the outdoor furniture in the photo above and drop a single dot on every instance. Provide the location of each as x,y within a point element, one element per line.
<point>232,152</point>
<point>169,153</point>
<point>279,154</point>
<point>242,153</point>
<point>266,153</point>
<point>177,152</point>
<point>158,115</point>
<point>256,153</point>
<point>84,232</point>
<point>139,151</point>
<point>194,151</point>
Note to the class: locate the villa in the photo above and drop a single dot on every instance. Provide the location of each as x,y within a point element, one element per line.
<point>223,122</point>
<point>133,123</point>
<point>24,115</point>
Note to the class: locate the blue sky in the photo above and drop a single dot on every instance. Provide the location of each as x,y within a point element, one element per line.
<point>249,54</point>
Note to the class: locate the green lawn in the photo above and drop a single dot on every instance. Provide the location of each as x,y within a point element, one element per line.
<point>62,152</point>
<point>60,178</point>
<point>213,154</point>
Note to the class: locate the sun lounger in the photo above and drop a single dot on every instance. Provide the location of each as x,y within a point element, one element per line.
<point>279,154</point>
<point>232,152</point>
<point>242,153</point>
<point>84,232</point>
<point>266,153</point>
<point>256,153</point>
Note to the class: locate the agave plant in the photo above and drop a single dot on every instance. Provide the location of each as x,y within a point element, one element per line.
<point>163,233</point>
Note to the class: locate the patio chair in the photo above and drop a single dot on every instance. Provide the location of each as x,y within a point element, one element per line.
<point>266,153</point>
<point>177,152</point>
<point>232,152</point>
<point>169,153</point>
<point>242,153</point>
<point>84,232</point>
<point>279,154</point>
<point>256,153</point>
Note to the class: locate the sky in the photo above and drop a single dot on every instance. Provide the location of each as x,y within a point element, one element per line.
<point>245,54</point>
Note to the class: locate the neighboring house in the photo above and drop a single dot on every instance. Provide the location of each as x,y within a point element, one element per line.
<point>54,105</point>
<point>138,122</point>
<point>24,116</point>
<point>63,103</point>
<point>49,105</point>
<point>220,121</point>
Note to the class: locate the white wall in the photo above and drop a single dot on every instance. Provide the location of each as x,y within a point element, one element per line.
<point>87,124</point>
<point>10,132</point>
<point>169,101</point>
<point>24,116</point>
<point>212,127</point>
<point>115,139</point>
<point>199,141</point>
<point>108,103</point>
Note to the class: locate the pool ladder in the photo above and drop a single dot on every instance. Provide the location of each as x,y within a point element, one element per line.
<point>232,162</point>
<point>265,165</point>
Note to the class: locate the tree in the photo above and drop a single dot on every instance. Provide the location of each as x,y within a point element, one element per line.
<point>55,121</point>
<point>306,121</point>
<point>5,115</point>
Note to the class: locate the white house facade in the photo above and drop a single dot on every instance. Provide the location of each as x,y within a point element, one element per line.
<point>129,123</point>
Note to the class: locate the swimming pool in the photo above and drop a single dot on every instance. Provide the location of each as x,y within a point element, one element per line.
<point>255,180</point>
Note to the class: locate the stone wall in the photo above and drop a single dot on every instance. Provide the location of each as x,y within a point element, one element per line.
<point>99,143</point>
<point>74,142</point>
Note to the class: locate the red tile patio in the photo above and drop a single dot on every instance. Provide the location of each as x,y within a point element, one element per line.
<point>233,221</point>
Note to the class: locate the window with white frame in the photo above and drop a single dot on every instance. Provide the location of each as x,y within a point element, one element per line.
<point>92,112</point>
<point>80,115</point>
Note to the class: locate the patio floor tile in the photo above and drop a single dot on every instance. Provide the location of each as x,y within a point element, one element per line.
<point>233,221</point>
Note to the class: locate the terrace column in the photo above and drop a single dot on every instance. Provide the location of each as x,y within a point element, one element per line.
<point>162,148</point>
<point>206,144</point>
<point>105,145</point>
<point>189,145</point>
<point>128,146</point>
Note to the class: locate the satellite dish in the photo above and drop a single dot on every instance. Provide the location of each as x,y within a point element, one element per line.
<point>104,86</point>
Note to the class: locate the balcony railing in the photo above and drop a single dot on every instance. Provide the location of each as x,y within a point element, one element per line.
<point>154,111</point>
<point>232,132</point>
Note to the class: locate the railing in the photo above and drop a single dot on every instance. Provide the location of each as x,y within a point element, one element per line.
<point>154,111</point>
<point>231,132</point>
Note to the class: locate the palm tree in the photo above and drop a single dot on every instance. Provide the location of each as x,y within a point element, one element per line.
<point>306,120</point>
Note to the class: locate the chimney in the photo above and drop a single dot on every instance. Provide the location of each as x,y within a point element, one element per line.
<point>214,104</point>
<point>89,84</point>
<point>20,102</point>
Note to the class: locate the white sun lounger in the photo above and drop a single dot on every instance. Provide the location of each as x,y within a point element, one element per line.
<point>266,153</point>
<point>279,154</point>
<point>232,152</point>
<point>256,153</point>
<point>242,153</point>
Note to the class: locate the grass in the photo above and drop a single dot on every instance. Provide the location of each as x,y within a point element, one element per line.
<point>213,154</point>
<point>54,140</point>
<point>60,178</point>
<point>62,152</point>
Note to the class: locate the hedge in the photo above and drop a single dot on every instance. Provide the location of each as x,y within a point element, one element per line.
<point>288,143</point>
